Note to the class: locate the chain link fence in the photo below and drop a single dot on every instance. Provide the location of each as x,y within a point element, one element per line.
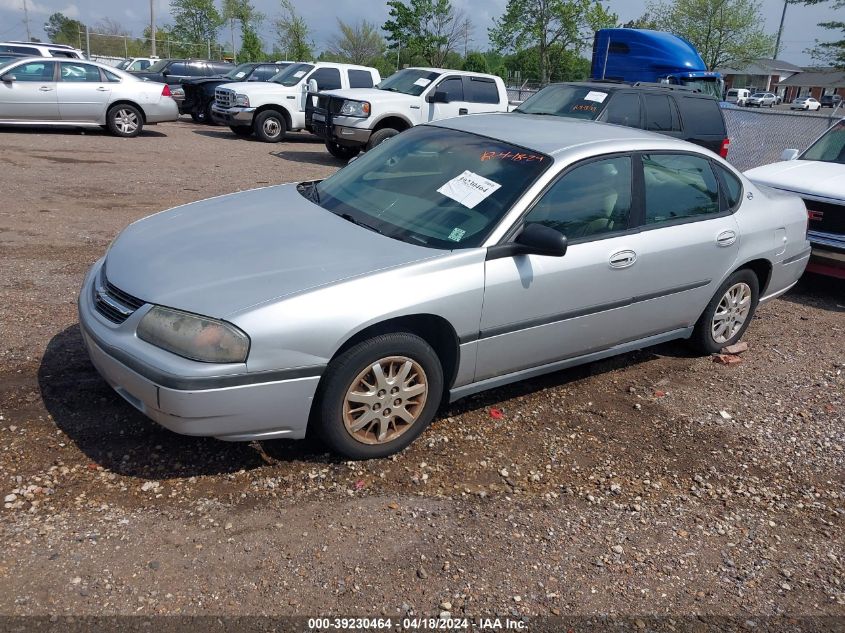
<point>759,137</point>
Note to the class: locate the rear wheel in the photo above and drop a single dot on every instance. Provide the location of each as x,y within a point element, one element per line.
<point>241,130</point>
<point>728,314</point>
<point>124,120</point>
<point>342,152</point>
<point>380,136</point>
<point>270,126</point>
<point>379,395</point>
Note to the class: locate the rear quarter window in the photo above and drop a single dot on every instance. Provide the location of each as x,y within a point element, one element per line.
<point>701,116</point>
<point>732,186</point>
<point>660,114</point>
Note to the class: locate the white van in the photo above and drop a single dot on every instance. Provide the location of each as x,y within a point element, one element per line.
<point>738,96</point>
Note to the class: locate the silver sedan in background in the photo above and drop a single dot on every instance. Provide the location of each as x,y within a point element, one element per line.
<point>76,92</point>
<point>457,257</point>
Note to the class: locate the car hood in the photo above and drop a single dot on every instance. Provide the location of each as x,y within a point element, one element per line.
<point>261,87</point>
<point>220,256</point>
<point>373,94</point>
<point>204,80</point>
<point>813,177</point>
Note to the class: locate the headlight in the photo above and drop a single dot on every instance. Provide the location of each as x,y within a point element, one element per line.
<point>192,336</point>
<point>242,100</point>
<point>355,108</point>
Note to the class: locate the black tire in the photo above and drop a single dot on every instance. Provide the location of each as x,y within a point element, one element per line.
<point>702,338</point>
<point>342,152</point>
<point>241,130</point>
<point>124,120</point>
<point>196,117</point>
<point>345,370</point>
<point>270,126</point>
<point>380,136</point>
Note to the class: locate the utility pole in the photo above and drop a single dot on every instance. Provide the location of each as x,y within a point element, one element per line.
<point>26,21</point>
<point>780,29</point>
<point>232,29</point>
<point>466,37</point>
<point>87,43</point>
<point>152,29</point>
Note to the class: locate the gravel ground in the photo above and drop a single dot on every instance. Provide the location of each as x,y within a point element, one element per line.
<point>656,483</point>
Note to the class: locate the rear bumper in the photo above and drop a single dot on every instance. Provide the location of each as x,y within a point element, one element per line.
<point>165,110</point>
<point>828,257</point>
<point>232,116</point>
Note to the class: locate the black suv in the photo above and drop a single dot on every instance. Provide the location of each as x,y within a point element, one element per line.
<point>676,111</point>
<point>830,101</point>
<point>174,71</point>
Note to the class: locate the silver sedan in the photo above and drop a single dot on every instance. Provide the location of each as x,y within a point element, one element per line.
<point>50,91</point>
<point>460,256</point>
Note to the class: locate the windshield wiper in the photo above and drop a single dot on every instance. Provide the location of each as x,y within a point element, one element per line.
<point>313,194</point>
<point>349,218</point>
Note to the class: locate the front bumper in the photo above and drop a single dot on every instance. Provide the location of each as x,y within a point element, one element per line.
<point>828,257</point>
<point>164,110</point>
<point>232,116</point>
<point>332,131</point>
<point>238,407</point>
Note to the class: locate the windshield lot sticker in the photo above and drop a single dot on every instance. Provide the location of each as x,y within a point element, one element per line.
<point>584,107</point>
<point>299,73</point>
<point>517,157</point>
<point>469,189</point>
<point>422,81</point>
<point>596,96</point>
<point>456,234</point>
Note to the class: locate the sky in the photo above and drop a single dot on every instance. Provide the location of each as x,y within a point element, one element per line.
<point>800,29</point>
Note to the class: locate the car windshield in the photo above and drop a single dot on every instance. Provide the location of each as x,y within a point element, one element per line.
<point>576,102</point>
<point>431,186</point>
<point>158,66</point>
<point>830,148</point>
<point>411,81</point>
<point>292,75</point>
<point>239,72</point>
<point>713,87</point>
<point>758,95</point>
<point>5,61</point>
<point>124,64</point>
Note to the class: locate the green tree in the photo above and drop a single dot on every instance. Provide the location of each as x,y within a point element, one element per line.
<point>242,11</point>
<point>358,43</point>
<point>833,51</point>
<point>476,62</point>
<point>428,29</point>
<point>61,29</point>
<point>725,32</point>
<point>293,34</point>
<point>546,24</point>
<point>195,22</point>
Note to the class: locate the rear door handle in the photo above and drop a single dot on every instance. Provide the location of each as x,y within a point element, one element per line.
<point>45,88</point>
<point>102,89</point>
<point>726,238</point>
<point>463,111</point>
<point>623,259</point>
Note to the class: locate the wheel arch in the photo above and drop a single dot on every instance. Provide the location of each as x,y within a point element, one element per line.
<point>762,268</point>
<point>393,121</point>
<point>278,108</point>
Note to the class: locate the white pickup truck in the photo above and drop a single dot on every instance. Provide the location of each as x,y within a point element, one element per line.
<point>270,109</point>
<point>352,120</point>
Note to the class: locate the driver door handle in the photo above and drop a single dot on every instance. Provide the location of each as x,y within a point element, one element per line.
<point>463,111</point>
<point>102,89</point>
<point>726,238</point>
<point>623,259</point>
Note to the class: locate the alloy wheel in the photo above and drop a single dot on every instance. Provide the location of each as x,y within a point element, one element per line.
<point>731,313</point>
<point>385,400</point>
<point>126,121</point>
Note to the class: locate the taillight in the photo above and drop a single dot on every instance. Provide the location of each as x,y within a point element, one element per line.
<point>723,151</point>
<point>165,92</point>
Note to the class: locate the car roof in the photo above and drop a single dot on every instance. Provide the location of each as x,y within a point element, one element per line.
<point>450,70</point>
<point>555,135</point>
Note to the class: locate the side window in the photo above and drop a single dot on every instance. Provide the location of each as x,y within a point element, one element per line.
<point>659,114</point>
<point>623,109</point>
<point>177,68</point>
<point>702,116</point>
<point>453,87</point>
<point>263,73</point>
<point>732,187</point>
<point>327,78</point>
<point>592,199</point>
<point>26,50</point>
<point>110,76</point>
<point>75,72</point>
<point>360,79</point>
<point>678,186</point>
<point>34,71</point>
<point>198,69</point>
<point>482,90</point>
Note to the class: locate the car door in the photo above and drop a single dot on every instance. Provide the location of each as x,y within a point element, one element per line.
<point>29,92</point>
<point>538,309</point>
<point>83,94</point>
<point>689,240</point>
<point>454,88</point>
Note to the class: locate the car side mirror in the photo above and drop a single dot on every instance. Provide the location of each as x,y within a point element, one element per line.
<point>535,239</point>
<point>437,97</point>
<point>789,154</point>
<point>8,78</point>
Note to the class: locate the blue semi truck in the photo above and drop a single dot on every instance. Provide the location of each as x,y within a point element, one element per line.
<point>634,55</point>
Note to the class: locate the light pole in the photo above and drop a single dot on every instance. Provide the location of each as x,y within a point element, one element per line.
<point>152,29</point>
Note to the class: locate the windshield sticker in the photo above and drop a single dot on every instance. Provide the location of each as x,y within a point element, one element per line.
<point>583,107</point>
<point>517,157</point>
<point>299,73</point>
<point>457,234</point>
<point>596,96</point>
<point>239,75</point>
<point>469,189</point>
<point>422,81</point>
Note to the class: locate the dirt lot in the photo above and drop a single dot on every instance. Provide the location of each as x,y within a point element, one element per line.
<point>655,483</point>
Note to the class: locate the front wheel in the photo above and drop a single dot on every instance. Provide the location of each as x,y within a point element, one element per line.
<point>728,314</point>
<point>270,126</point>
<point>379,395</point>
<point>342,152</point>
<point>380,136</point>
<point>124,120</point>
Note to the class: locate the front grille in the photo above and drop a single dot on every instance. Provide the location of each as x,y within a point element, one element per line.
<point>112,302</point>
<point>825,217</point>
<point>224,97</point>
